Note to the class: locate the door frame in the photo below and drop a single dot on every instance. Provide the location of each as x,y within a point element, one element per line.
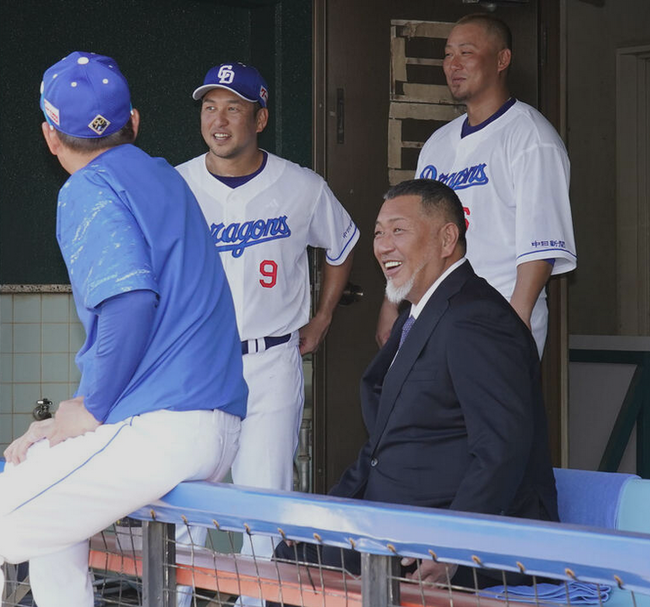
<point>319,164</point>
<point>552,102</point>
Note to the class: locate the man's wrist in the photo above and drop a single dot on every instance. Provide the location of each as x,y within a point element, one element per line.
<point>323,317</point>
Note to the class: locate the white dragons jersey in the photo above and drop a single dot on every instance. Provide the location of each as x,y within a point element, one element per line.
<point>262,229</point>
<point>512,177</point>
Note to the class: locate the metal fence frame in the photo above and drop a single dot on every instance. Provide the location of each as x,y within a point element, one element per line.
<point>382,531</point>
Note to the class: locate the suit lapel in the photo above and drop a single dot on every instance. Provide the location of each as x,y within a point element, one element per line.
<point>414,344</point>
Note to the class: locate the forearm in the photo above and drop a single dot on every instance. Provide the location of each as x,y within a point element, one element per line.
<point>335,278</point>
<point>532,276</point>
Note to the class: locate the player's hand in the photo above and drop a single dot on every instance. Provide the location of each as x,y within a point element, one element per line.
<point>71,419</point>
<point>387,316</point>
<point>313,334</point>
<point>16,452</point>
<point>430,571</point>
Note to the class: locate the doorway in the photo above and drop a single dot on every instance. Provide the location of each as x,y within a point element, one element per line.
<point>368,130</point>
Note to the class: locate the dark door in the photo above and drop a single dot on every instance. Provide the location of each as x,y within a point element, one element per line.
<point>357,89</point>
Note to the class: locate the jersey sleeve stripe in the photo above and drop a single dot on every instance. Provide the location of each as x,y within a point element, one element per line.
<point>351,241</point>
<point>545,250</point>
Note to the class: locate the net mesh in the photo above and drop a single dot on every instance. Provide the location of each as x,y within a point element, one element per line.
<point>303,574</point>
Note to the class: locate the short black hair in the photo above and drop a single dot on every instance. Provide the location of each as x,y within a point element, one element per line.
<point>92,144</point>
<point>492,24</point>
<point>435,197</point>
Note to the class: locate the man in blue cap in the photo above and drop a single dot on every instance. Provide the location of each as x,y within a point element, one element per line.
<point>161,367</point>
<point>263,212</point>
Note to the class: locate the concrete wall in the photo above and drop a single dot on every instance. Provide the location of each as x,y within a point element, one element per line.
<point>594,35</point>
<point>597,390</point>
<point>595,396</point>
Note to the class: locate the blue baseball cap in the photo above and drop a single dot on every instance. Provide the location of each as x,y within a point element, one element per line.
<point>243,80</point>
<point>85,95</point>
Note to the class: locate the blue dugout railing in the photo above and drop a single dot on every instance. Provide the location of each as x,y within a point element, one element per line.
<point>552,550</point>
<point>545,549</point>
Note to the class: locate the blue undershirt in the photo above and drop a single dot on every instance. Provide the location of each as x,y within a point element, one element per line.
<point>124,325</point>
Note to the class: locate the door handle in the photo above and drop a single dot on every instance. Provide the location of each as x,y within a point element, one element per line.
<point>351,294</point>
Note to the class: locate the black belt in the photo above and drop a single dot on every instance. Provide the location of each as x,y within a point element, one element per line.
<point>269,342</point>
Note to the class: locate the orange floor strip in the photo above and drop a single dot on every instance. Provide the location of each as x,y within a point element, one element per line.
<point>284,582</point>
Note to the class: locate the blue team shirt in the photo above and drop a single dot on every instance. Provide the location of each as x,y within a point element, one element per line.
<point>128,222</point>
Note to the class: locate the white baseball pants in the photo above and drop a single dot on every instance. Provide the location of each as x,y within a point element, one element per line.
<point>55,500</point>
<point>268,440</point>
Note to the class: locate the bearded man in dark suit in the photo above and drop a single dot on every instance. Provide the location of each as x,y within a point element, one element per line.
<point>452,402</point>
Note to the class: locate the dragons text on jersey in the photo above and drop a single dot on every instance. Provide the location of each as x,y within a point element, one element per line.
<point>458,180</point>
<point>236,237</point>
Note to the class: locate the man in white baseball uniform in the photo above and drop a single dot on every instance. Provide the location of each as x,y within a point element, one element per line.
<point>510,170</point>
<point>263,213</point>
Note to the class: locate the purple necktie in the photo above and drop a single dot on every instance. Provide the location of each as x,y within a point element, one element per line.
<point>406,327</point>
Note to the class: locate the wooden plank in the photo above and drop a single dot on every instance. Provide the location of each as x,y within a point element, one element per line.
<point>429,93</point>
<point>398,59</point>
<point>425,111</point>
<point>423,29</point>
<point>394,144</point>
<point>423,61</point>
<point>396,176</point>
<point>414,145</point>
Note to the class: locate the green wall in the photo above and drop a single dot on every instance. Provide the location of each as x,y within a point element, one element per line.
<point>164,48</point>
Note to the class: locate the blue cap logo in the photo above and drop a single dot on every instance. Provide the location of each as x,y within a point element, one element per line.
<point>225,75</point>
<point>99,125</point>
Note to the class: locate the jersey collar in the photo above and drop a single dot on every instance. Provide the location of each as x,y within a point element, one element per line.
<point>468,130</point>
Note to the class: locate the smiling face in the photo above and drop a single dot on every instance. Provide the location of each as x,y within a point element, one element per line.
<point>475,63</point>
<point>230,125</point>
<point>413,248</point>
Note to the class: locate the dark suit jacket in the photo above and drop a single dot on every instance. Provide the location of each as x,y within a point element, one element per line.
<point>457,421</point>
